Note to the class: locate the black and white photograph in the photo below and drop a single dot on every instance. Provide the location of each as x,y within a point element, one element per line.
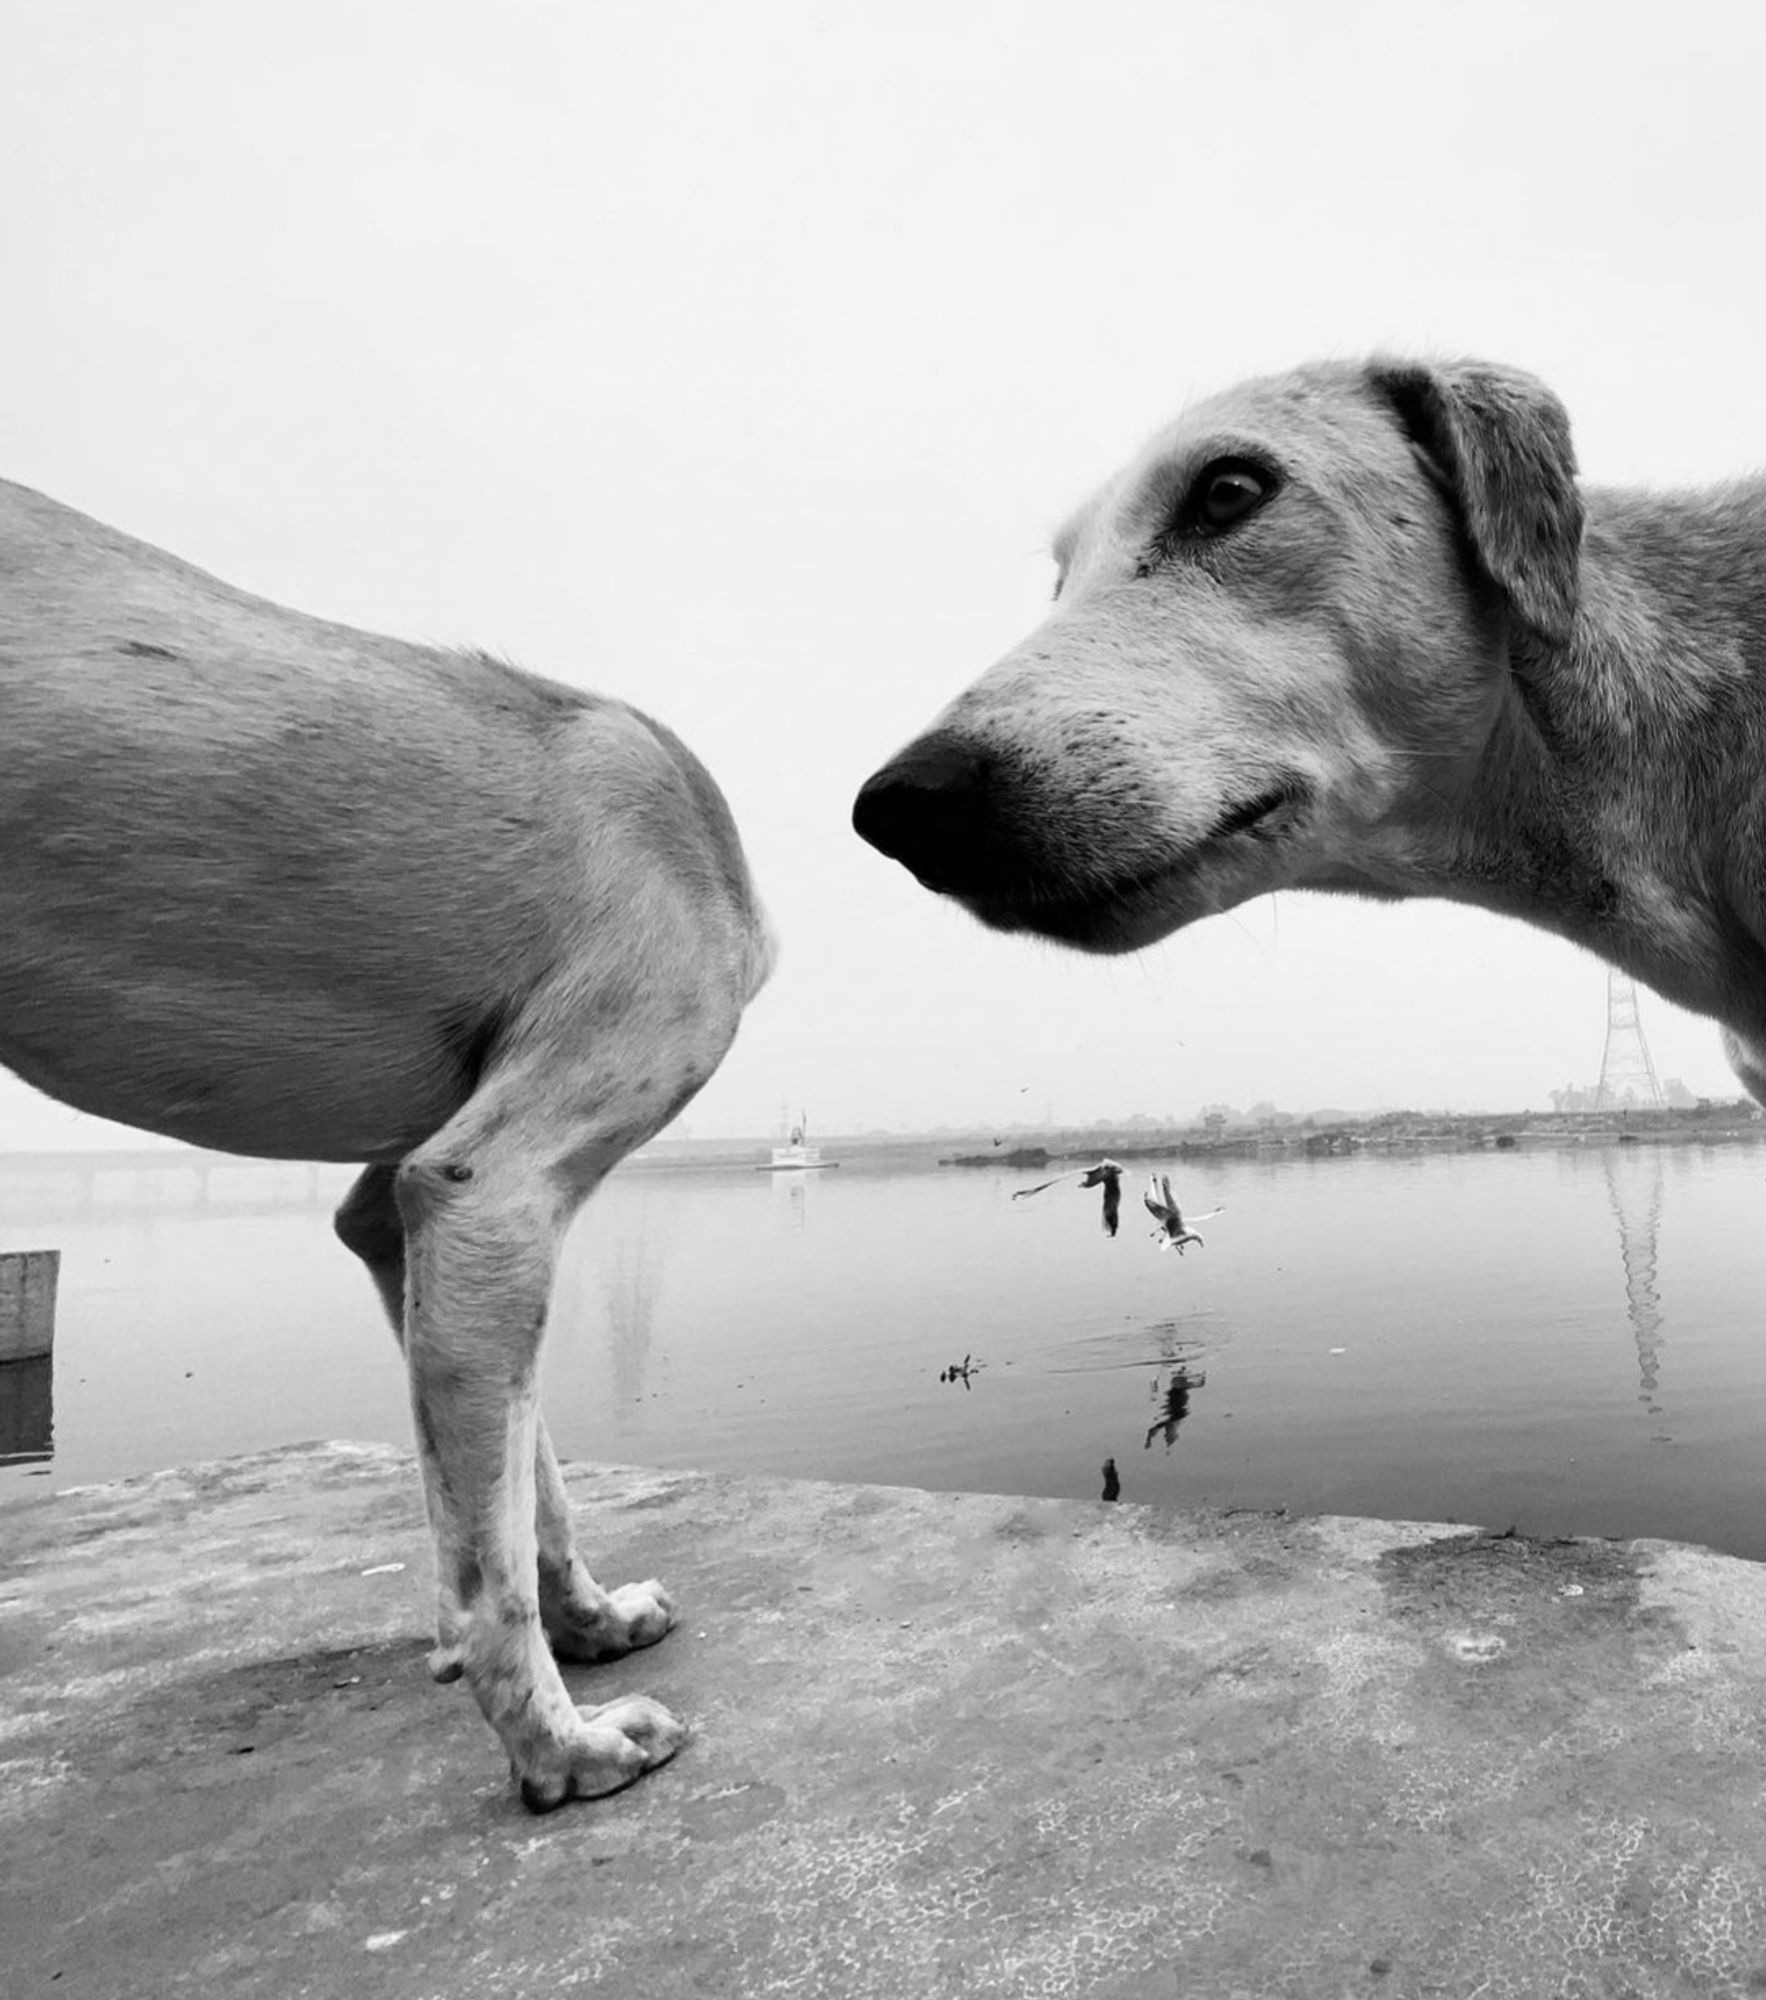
<point>882,1001</point>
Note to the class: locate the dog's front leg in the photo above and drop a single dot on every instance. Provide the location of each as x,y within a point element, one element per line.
<point>482,1224</point>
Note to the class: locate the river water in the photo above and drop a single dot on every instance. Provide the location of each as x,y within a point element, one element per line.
<point>1565,1340</point>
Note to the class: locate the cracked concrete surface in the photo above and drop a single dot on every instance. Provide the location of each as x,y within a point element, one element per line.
<point>944,1745</point>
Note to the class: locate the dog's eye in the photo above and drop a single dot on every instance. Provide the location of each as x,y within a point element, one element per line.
<point>1226,492</point>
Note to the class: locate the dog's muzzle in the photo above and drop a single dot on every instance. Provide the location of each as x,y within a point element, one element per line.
<point>939,810</point>
<point>979,826</point>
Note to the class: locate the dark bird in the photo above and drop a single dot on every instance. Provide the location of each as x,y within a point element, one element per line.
<point>1106,1174</point>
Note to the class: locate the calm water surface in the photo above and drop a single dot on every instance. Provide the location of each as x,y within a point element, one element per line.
<point>1569,1341</point>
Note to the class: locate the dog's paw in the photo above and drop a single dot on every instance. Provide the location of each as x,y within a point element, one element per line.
<point>611,1746</point>
<point>609,1625</point>
<point>645,1611</point>
<point>446,1661</point>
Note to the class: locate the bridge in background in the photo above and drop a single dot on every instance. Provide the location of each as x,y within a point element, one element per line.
<point>42,1185</point>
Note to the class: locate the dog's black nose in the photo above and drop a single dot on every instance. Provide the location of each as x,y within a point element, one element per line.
<point>929,809</point>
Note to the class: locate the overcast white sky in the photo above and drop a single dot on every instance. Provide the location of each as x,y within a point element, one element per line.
<point>738,360</point>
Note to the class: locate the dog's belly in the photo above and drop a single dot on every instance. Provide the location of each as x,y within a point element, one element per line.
<point>262,1079</point>
<point>266,972</point>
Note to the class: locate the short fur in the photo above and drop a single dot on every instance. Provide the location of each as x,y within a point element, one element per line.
<point>1428,664</point>
<point>275,886</point>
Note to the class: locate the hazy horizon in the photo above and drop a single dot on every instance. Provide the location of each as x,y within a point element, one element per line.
<point>95,1137</point>
<point>739,364</point>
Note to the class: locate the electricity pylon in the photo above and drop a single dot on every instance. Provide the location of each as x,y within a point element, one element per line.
<point>1627,1076</point>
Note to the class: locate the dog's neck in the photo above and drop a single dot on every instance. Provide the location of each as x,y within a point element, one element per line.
<point>1621,798</point>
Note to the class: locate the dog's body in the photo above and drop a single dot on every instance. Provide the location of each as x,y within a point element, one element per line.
<point>1358,629</point>
<point>275,886</point>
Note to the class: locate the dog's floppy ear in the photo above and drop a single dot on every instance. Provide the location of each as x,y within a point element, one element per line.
<point>1501,442</point>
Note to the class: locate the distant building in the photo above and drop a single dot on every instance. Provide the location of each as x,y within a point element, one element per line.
<point>1572,1099</point>
<point>1585,1099</point>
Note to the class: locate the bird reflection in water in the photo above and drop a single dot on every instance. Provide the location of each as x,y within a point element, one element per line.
<point>1174,1401</point>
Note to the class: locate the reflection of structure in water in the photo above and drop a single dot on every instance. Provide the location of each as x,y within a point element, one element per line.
<point>631,1270</point>
<point>27,1410</point>
<point>961,1371</point>
<point>1634,1187</point>
<point>1174,1402</point>
<point>791,1194</point>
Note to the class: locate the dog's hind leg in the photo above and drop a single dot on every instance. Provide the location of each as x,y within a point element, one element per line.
<point>368,1223</point>
<point>582,1622</point>
<point>485,1203</point>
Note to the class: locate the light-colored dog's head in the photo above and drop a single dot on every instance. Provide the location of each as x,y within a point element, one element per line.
<point>1281,640</point>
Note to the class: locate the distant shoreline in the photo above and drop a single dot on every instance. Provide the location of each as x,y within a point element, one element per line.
<point>1338,1143</point>
<point>1402,1131</point>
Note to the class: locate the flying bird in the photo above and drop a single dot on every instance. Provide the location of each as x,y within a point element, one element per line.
<point>1106,1174</point>
<point>1173,1232</point>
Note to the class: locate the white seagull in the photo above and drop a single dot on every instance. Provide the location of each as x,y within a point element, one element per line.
<point>1173,1232</point>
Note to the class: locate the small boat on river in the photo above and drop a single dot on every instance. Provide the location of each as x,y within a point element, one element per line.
<point>797,1155</point>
